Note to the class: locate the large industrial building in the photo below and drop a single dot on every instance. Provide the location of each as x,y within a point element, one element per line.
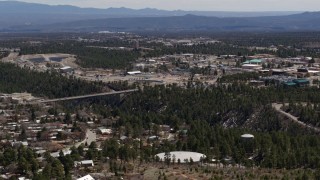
<point>183,156</point>
<point>66,69</point>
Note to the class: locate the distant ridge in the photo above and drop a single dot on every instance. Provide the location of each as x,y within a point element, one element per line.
<point>19,14</point>
<point>24,7</point>
<point>296,22</point>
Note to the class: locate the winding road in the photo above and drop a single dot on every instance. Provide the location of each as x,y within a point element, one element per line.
<point>277,107</point>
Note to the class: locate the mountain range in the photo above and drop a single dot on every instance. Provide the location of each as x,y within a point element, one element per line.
<point>20,16</point>
<point>298,22</point>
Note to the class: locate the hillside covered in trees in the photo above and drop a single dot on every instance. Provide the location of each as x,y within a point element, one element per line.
<point>209,120</point>
<point>88,57</point>
<point>48,84</point>
<point>215,117</point>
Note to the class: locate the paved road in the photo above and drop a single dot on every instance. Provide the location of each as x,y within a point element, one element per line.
<point>91,136</point>
<point>277,107</point>
<point>85,96</point>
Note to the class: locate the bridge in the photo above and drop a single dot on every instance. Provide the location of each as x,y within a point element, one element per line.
<point>85,96</point>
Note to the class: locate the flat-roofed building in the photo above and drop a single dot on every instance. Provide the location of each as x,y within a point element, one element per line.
<point>183,156</point>
<point>66,69</point>
<point>134,72</point>
<point>87,177</point>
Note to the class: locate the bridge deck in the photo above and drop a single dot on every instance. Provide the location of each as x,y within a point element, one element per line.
<point>84,96</point>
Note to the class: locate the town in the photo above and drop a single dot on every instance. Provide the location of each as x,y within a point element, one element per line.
<point>100,134</point>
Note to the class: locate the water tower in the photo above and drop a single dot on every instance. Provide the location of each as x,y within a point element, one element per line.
<point>248,142</point>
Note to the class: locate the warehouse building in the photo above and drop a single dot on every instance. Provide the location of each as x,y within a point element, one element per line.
<point>254,61</point>
<point>134,72</point>
<point>66,69</point>
<point>182,156</point>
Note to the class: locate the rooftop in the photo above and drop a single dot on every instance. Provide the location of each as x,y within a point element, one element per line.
<point>247,136</point>
<point>66,67</point>
<point>253,61</point>
<point>290,84</point>
<point>87,177</point>
<point>301,80</point>
<point>182,155</point>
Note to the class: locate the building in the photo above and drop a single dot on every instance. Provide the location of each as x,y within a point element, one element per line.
<point>66,69</point>
<point>248,142</point>
<point>182,156</point>
<point>19,143</point>
<point>57,154</point>
<point>103,130</point>
<point>153,138</point>
<point>251,66</point>
<point>278,72</point>
<point>302,69</point>
<point>84,163</point>
<point>302,82</point>
<point>87,177</point>
<point>254,61</point>
<point>134,72</point>
<point>247,136</point>
<point>21,97</point>
<point>289,84</point>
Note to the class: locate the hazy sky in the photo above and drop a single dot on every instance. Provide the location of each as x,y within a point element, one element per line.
<point>211,5</point>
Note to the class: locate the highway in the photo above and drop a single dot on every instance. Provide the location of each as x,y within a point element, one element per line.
<point>84,96</point>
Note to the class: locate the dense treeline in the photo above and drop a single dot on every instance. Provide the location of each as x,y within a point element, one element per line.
<point>112,59</point>
<point>293,39</point>
<point>291,44</point>
<point>206,112</point>
<point>249,39</point>
<point>290,52</point>
<point>23,159</point>
<point>269,150</point>
<point>208,120</point>
<point>210,103</point>
<point>48,84</point>
<point>211,48</point>
<point>89,57</point>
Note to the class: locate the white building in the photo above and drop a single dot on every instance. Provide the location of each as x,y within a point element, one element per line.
<point>134,72</point>
<point>87,177</point>
<point>183,156</point>
<point>66,69</point>
<point>84,163</point>
<point>105,131</point>
<point>251,66</point>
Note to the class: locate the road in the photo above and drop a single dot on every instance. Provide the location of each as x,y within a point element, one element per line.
<point>91,136</point>
<point>84,96</point>
<point>277,107</point>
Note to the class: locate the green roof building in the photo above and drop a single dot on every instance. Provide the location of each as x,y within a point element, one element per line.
<point>253,61</point>
<point>289,84</point>
<point>302,82</point>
